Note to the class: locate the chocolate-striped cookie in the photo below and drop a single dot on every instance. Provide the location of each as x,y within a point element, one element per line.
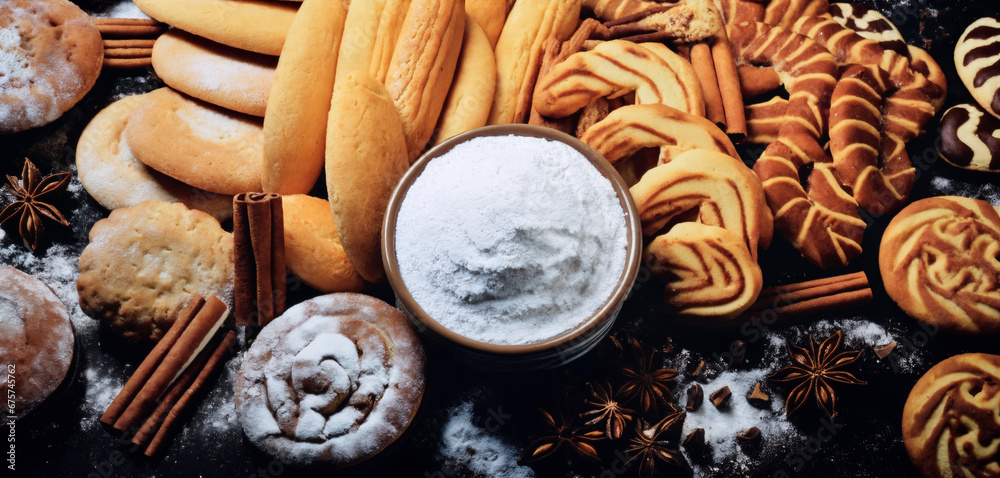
<point>977,59</point>
<point>938,260</point>
<point>870,24</point>
<point>950,422</point>
<point>969,138</point>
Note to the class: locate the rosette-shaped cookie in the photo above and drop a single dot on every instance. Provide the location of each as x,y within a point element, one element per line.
<point>715,215</point>
<point>331,382</point>
<point>938,260</point>
<point>950,422</point>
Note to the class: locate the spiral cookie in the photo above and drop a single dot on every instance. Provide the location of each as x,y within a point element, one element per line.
<point>938,260</point>
<point>709,263</point>
<point>977,59</point>
<point>970,138</point>
<point>331,382</point>
<point>950,423</point>
<point>823,222</point>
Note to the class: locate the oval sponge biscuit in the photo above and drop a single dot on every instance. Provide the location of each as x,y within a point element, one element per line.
<point>212,72</point>
<point>248,25</point>
<point>206,147</point>
<point>365,158</point>
<point>312,248</point>
<point>295,123</point>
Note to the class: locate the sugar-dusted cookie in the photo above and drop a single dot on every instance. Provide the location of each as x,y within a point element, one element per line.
<point>312,248</point>
<point>116,179</point>
<point>207,147</point>
<point>950,423</point>
<point>331,382</point>
<point>969,138</point>
<point>254,26</point>
<point>145,262</point>
<point>938,261</point>
<point>223,76</point>
<point>977,54</point>
<point>36,340</point>
<point>50,57</point>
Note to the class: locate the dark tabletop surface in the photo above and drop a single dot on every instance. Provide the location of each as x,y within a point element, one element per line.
<point>63,437</point>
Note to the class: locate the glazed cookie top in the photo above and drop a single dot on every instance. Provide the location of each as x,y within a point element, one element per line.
<point>950,422</point>
<point>976,58</point>
<point>50,57</point>
<point>145,262</point>
<point>36,338</point>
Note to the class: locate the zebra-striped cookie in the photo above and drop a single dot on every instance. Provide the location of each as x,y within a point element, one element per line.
<point>950,422</point>
<point>869,24</point>
<point>977,59</point>
<point>969,138</point>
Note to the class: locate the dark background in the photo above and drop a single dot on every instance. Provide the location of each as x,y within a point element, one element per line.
<point>54,441</point>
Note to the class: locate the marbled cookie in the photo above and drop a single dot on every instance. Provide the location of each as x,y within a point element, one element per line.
<point>951,427</point>
<point>977,59</point>
<point>938,261</point>
<point>970,138</point>
<point>145,262</point>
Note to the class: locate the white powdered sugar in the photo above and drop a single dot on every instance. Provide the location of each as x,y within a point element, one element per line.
<point>122,9</point>
<point>989,192</point>
<point>30,96</point>
<point>510,240</point>
<point>464,442</point>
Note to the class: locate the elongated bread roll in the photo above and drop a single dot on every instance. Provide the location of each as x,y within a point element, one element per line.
<point>520,46</point>
<point>249,25</point>
<point>365,158</point>
<point>468,104</point>
<point>360,31</point>
<point>490,15</point>
<point>423,66</point>
<point>295,123</point>
<point>389,25</point>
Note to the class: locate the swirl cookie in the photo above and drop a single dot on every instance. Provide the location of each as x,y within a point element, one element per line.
<point>970,138</point>
<point>50,57</point>
<point>977,59</point>
<point>115,178</point>
<point>145,262</point>
<point>950,423</point>
<point>938,260</point>
<point>331,382</point>
<point>207,147</point>
<point>36,338</point>
<point>870,24</point>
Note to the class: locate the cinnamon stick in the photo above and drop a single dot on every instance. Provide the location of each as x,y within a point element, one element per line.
<point>128,52</point>
<point>208,319</point>
<point>130,30</point>
<point>126,63</point>
<point>152,423</point>
<point>259,258</point>
<point>148,365</point>
<point>127,21</point>
<point>129,43</point>
<point>213,364</point>
<point>551,55</point>
<point>815,296</point>
<point>704,69</point>
<point>729,85</point>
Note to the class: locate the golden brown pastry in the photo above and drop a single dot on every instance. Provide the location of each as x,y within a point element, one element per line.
<point>471,94</point>
<point>254,26</point>
<point>313,251</point>
<point>938,260</point>
<point>950,423</point>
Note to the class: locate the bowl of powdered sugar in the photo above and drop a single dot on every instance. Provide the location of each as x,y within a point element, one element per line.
<point>512,245</point>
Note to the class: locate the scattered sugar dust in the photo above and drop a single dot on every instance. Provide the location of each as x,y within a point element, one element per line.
<point>989,192</point>
<point>468,445</point>
<point>121,9</point>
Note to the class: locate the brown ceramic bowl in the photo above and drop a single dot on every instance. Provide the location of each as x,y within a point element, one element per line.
<point>549,353</point>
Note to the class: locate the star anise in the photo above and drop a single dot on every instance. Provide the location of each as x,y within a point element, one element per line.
<point>814,369</point>
<point>29,206</point>
<point>604,408</point>
<point>562,433</point>
<point>644,383</point>
<point>651,448</point>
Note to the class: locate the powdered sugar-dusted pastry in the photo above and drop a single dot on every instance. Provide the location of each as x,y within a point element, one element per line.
<point>115,178</point>
<point>938,260</point>
<point>36,339</point>
<point>331,382</point>
<point>145,262</point>
<point>950,422</point>
<point>50,57</point>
